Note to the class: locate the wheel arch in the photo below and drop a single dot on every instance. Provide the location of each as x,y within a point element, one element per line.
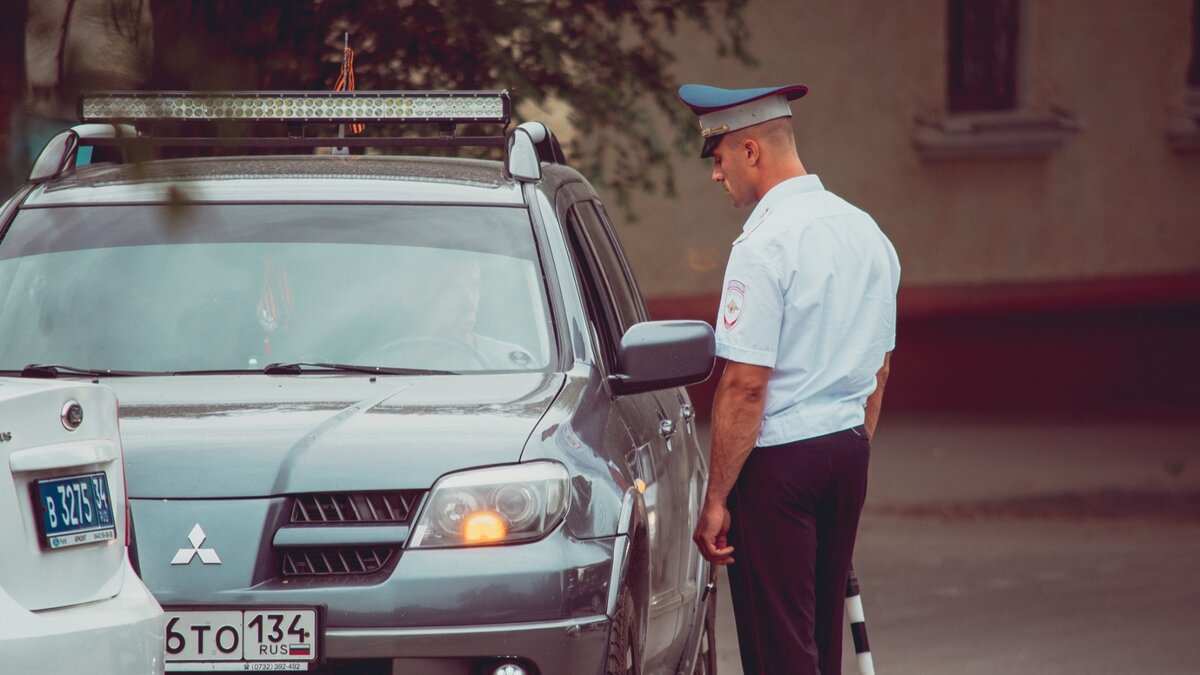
<point>631,566</point>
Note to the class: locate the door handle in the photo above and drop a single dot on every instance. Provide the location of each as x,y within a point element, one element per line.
<point>666,428</point>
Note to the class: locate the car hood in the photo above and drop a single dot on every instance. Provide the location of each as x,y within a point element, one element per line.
<point>257,435</point>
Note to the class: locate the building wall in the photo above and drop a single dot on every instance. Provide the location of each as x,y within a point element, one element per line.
<point>987,245</point>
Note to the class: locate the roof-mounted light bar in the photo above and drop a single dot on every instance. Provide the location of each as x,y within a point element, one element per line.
<point>293,106</point>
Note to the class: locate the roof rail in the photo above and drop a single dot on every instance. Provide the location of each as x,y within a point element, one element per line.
<point>117,121</point>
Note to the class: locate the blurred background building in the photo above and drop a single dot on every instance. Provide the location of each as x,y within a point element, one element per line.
<point>1035,162</point>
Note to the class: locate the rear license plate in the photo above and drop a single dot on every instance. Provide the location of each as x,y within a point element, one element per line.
<point>76,510</point>
<point>241,639</point>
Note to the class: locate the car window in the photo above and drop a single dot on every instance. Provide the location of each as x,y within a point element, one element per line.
<point>626,302</point>
<point>636,299</point>
<point>231,287</point>
<point>601,310</point>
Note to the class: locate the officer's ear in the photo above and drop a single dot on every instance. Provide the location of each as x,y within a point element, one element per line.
<point>752,149</point>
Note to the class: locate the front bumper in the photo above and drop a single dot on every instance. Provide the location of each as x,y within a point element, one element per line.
<point>546,601</point>
<point>572,646</point>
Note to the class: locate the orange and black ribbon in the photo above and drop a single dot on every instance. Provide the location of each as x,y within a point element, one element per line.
<point>345,82</point>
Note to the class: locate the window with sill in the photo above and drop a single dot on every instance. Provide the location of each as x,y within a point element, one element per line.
<point>984,117</point>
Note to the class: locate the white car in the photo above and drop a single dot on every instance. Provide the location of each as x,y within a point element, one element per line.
<point>69,600</point>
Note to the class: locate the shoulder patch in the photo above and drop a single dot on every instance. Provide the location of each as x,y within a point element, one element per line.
<point>732,303</point>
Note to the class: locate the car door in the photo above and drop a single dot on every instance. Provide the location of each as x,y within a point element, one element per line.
<point>652,458</point>
<point>685,459</point>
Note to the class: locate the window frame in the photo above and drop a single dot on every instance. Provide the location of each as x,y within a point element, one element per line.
<point>575,202</point>
<point>619,279</point>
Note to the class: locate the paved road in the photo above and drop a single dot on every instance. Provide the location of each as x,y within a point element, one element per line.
<point>997,546</point>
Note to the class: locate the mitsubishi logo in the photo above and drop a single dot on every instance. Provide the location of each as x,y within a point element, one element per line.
<point>208,556</point>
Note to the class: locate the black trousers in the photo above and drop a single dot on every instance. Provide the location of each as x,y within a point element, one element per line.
<point>795,511</point>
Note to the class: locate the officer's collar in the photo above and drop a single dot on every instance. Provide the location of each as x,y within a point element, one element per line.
<point>792,186</point>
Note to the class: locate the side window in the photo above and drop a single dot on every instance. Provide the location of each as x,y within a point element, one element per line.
<point>601,311</point>
<point>623,294</point>
<point>638,299</point>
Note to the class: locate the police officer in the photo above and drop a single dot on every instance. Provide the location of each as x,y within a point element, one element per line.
<point>807,325</point>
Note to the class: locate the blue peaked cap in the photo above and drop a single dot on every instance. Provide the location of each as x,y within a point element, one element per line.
<point>702,98</point>
<point>724,110</point>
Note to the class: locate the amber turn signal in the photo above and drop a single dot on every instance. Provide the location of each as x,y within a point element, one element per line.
<point>484,527</point>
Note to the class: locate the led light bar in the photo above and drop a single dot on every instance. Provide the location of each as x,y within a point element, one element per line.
<point>291,106</point>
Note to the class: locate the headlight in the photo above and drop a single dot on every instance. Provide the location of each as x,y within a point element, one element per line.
<point>500,505</point>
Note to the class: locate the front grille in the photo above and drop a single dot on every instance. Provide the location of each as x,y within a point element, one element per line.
<point>355,507</point>
<point>325,562</point>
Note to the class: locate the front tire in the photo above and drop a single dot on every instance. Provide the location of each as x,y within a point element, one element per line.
<point>622,639</point>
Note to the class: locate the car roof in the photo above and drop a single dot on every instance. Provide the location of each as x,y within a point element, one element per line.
<point>286,178</point>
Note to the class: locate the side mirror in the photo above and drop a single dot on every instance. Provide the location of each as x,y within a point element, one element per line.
<point>662,354</point>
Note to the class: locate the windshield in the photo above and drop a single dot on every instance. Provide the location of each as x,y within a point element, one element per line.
<point>235,287</point>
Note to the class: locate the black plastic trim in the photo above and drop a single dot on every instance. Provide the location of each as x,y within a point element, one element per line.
<point>566,353</point>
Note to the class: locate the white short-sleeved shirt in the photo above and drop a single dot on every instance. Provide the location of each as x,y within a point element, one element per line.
<point>810,291</point>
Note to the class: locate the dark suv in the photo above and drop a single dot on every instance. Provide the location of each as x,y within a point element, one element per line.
<point>380,413</point>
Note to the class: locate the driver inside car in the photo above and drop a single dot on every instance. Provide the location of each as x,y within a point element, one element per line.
<point>444,332</point>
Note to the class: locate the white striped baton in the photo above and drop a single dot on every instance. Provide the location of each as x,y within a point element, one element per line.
<point>858,625</point>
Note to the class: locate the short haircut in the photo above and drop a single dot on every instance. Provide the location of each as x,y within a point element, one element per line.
<point>775,134</point>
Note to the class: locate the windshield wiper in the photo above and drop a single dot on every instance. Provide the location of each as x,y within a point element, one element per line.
<point>218,371</point>
<point>301,367</point>
<point>53,370</point>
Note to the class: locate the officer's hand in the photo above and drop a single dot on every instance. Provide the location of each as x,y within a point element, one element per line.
<point>711,531</point>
